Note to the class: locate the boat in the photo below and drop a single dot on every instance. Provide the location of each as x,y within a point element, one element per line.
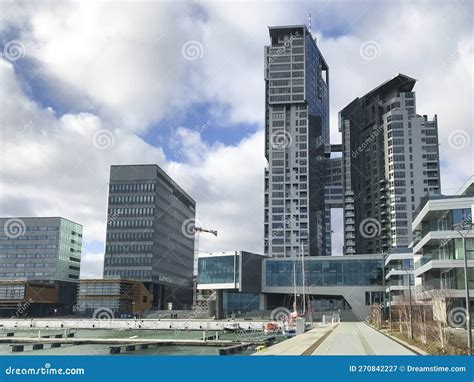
<point>271,327</point>
<point>232,327</point>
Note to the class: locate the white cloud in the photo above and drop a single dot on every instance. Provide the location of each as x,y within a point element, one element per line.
<point>118,68</point>
<point>92,265</point>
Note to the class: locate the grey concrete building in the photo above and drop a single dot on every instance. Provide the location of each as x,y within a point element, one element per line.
<point>390,161</point>
<point>297,145</point>
<point>150,235</point>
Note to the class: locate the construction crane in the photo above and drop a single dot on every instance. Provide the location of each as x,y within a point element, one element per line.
<point>197,232</point>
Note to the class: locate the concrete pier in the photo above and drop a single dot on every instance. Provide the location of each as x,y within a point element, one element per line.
<point>208,325</point>
<point>301,344</point>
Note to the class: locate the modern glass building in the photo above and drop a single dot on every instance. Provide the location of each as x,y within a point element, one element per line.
<point>438,228</point>
<point>40,248</point>
<point>390,161</point>
<point>150,235</point>
<point>229,282</point>
<point>349,284</point>
<point>240,281</point>
<point>297,146</point>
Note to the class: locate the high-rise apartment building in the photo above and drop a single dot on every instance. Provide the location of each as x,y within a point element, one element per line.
<point>149,233</point>
<point>297,144</point>
<point>390,161</point>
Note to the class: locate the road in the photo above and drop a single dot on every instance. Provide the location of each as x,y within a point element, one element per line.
<point>357,338</point>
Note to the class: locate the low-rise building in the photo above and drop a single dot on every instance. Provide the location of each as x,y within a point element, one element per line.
<point>112,297</point>
<point>443,239</point>
<point>40,259</point>
<point>240,281</point>
<point>230,282</point>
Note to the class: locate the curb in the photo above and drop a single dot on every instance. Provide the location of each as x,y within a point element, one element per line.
<point>412,348</point>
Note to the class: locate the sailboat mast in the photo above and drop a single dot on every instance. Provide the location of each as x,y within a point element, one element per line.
<point>294,284</point>
<point>302,276</point>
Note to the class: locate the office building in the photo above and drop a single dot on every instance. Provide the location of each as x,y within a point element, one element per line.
<point>229,282</point>
<point>150,235</point>
<point>438,228</point>
<point>239,282</point>
<point>297,146</point>
<point>40,259</point>
<point>390,161</point>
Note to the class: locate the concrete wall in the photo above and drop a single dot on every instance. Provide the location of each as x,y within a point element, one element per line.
<point>121,324</point>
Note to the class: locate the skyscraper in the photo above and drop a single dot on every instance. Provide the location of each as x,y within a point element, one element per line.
<point>297,144</point>
<point>390,160</point>
<point>149,233</point>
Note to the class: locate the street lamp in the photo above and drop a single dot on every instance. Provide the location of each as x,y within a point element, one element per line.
<point>460,227</point>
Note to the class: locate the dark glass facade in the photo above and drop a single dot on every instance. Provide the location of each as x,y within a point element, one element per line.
<point>148,232</point>
<point>325,273</point>
<point>218,270</point>
<point>234,302</point>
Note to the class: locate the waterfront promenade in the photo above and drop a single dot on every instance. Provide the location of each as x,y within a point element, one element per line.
<point>346,338</point>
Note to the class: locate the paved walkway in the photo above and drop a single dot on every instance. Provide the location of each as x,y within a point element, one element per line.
<point>300,344</point>
<point>357,338</point>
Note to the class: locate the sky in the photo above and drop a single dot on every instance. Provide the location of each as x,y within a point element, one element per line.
<point>84,85</point>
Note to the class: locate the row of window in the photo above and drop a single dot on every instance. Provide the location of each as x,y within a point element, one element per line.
<point>130,236</point>
<point>129,248</point>
<point>132,273</point>
<point>134,187</point>
<point>130,223</point>
<point>29,246</point>
<point>135,199</point>
<point>27,255</point>
<point>39,237</point>
<point>147,211</point>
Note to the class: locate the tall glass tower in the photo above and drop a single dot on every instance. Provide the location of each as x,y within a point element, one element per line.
<point>297,144</point>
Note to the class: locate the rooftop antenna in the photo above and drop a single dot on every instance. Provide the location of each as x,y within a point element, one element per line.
<point>309,22</point>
